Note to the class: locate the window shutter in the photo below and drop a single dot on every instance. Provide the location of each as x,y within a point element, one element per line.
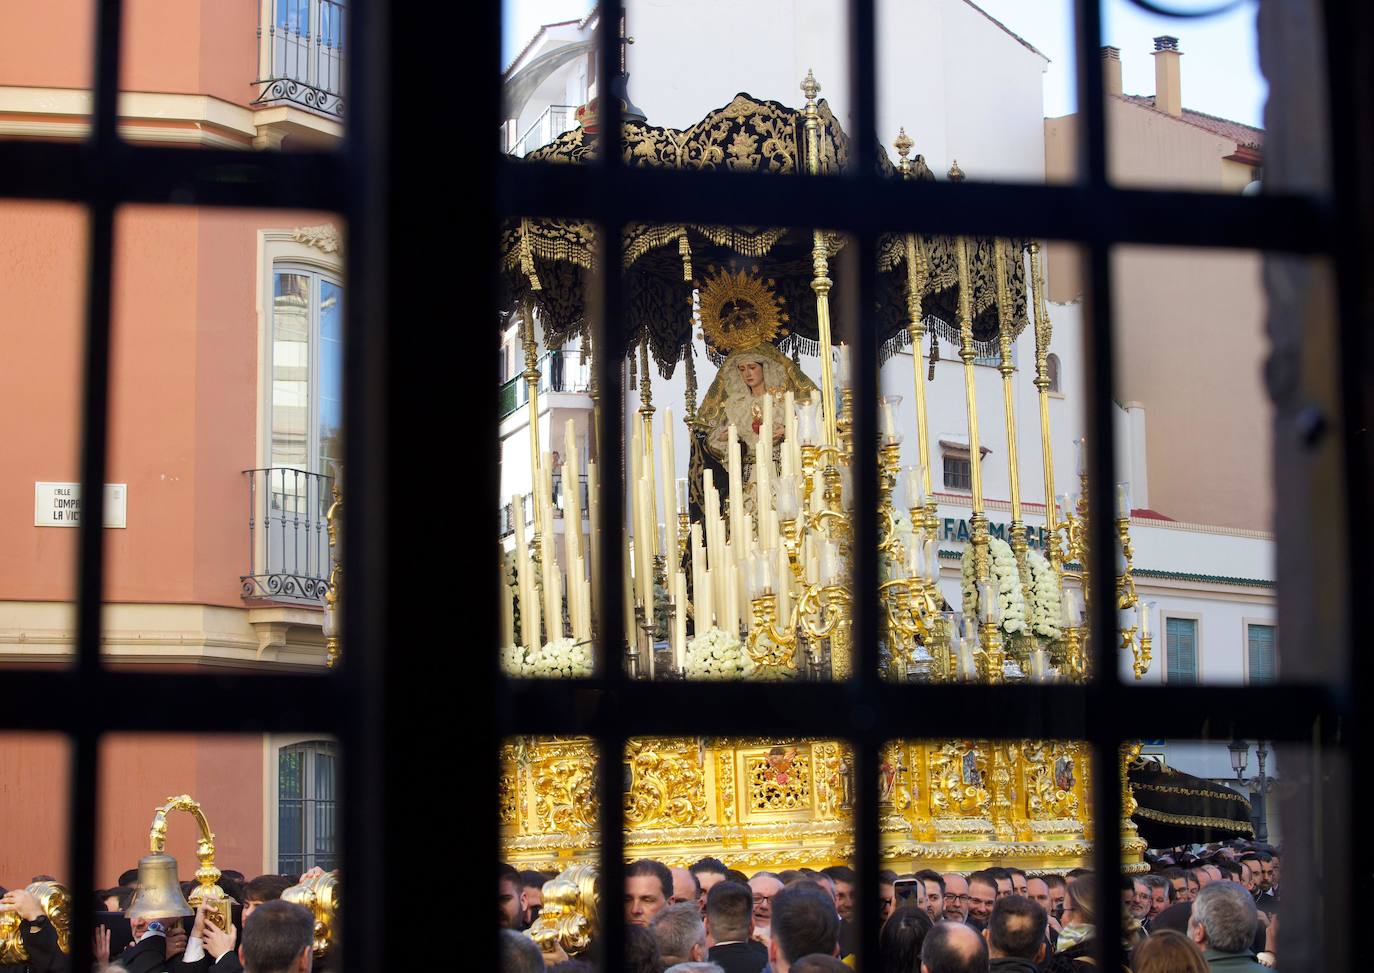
<point>1263,657</point>
<point>1182,651</point>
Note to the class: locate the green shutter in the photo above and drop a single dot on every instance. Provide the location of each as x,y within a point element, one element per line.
<point>1264,661</point>
<point>1181,649</point>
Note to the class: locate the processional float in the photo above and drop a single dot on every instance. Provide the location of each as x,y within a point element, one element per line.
<point>739,570</point>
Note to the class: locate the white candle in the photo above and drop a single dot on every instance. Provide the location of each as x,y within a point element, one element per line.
<point>830,563</point>
<point>783,584</point>
<point>932,553</point>
<point>915,490</point>
<point>736,488</point>
<point>1082,445</point>
<point>842,371</point>
<point>594,526</point>
<point>507,610</point>
<point>670,506</point>
<point>732,594</point>
<point>627,591</point>
<point>680,622</point>
<point>529,604</point>
<point>683,503</point>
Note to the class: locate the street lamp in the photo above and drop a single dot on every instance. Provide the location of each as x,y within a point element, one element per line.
<point>1240,756</point>
<point>1257,798</point>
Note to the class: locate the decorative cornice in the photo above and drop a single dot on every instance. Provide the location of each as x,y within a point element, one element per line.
<point>325,237</point>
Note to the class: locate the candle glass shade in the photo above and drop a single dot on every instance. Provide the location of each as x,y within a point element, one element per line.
<point>786,501</point>
<point>1123,501</point>
<point>915,488</point>
<point>808,428</point>
<point>888,409</point>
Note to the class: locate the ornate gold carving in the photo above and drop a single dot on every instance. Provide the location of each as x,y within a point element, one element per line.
<point>959,777</point>
<point>779,780</point>
<point>739,309</point>
<point>505,796</point>
<point>667,784</point>
<point>1050,775</point>
<point>830,760</point>
<point>568,915</point>
<point>1189,791</point>
<point>564,776</point>
<point>725,786</point>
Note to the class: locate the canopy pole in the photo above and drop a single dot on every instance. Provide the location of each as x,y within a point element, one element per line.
<point>820,264</point>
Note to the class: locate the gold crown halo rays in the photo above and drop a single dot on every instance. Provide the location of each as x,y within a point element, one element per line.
<point>739,309</point>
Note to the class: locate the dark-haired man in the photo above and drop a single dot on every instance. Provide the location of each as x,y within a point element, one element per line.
<point>1016,935</point>
<point>510,898</point>
<point>804,922</point>
<point>952,947</point>
<point>1018,883</point>
<point>935,892</point>
<point>532,885</point>
<point>278,939</point>
<point>648,887</point>
<point>844,879</point>
<point>730,929</point>
<point>982,896</point>
<point>1059,895</point>
<point>709,871</point>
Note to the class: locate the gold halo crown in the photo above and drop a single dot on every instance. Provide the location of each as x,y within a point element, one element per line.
<point>740,309</point>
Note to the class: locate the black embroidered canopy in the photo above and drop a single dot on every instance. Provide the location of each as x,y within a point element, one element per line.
<point>548,262</point>
<point>1179,809</point>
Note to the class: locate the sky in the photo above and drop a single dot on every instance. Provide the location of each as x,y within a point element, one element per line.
<point>1220,65</point>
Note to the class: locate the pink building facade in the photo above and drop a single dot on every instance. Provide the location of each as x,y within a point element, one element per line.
<point>226,359</point>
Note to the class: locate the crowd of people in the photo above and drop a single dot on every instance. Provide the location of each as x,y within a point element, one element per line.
<point>1210,912</point>
<point>266,934</point>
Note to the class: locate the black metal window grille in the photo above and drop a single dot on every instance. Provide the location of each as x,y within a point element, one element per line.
<point>396,682</point>
<point>307,812</point>
<point>865,711</point>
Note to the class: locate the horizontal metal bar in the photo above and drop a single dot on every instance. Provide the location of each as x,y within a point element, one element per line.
<point>874,205</point>
<point>229,702</point>
<point>77,172</point>
<point>1296,713</point>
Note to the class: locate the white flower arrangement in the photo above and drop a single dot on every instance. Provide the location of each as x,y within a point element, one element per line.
<point>715,655</point>
<point>1046,610</point>
<point>718,655</point>
<point>1008,580</point>
<point>563,658</point>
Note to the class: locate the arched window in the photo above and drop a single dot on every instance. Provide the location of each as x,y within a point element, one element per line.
<point>1052,370</point>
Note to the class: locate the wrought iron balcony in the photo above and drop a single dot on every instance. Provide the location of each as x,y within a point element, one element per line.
<point>559,371</point>
<point>302,55</point>
<point>288,545</point>
<point>551,123</point>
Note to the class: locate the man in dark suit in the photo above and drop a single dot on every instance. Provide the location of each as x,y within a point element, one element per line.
<point>730,929</point>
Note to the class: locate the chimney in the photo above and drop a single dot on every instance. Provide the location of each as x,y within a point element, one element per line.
<point>1168,89</point>
<point>1111,69</point>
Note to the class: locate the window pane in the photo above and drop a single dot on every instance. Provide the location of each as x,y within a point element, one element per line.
<point>973,444</point>
<point>1181,648</point>
<point>1262,653</point>
<point>331,375</point>
<point>553,472</point>
<point>42,333</point>
<point>254,76</point>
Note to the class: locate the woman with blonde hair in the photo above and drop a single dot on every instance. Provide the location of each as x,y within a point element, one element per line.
<point>1167,951</point>
<point>1073,950</point>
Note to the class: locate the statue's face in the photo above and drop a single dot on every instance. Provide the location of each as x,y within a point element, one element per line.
<point>752,373</point>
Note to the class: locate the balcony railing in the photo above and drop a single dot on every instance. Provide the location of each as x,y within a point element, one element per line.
<point>304,55</point>
<point>508,514</point>
<point>551,123</point>
<point>559,371</point>
<point>288,545</point>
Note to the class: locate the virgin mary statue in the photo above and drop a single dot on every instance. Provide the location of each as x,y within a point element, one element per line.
<point>736,398</point>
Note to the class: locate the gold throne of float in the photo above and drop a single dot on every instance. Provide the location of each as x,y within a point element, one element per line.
<point>764,803</point>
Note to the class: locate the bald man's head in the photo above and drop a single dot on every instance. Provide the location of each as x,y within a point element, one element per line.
<point>952,947</point>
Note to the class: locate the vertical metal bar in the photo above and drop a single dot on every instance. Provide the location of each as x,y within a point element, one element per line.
<point>95,430</point>
<point>611,669</point>
<point>1092,146</point>
<point>1107,809</point>
<point>862,70</point>
<point>252,521</point>
<point>1350,124</point>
